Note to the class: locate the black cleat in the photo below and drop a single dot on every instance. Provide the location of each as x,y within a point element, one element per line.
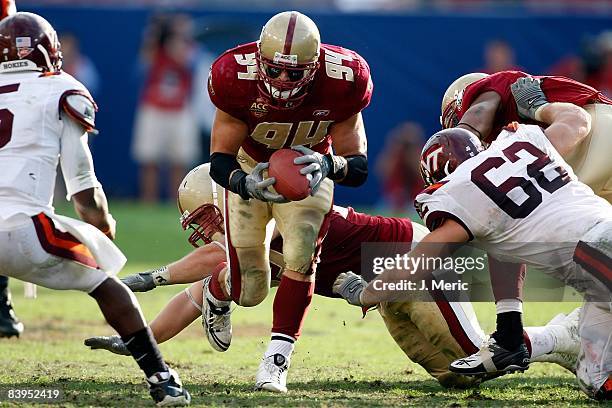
<point>168,392</point>
<point>9,323</point>
<point>492,361</point>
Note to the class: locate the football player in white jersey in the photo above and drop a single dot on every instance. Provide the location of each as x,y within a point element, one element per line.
<point>521,202</point>
<point>45,115</point>
<point>9,323</point>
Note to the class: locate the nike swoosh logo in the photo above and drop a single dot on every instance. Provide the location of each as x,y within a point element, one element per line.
<point>531,101</point>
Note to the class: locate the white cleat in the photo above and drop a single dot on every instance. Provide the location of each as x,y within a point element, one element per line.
<point>272,374</point>
<point>565,360</point>
<point>566,333</point>
<point>216,321</point>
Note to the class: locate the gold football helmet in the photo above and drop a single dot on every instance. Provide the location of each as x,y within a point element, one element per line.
<point>451,102</point>
<point>200,200</point>
<point>287,58</point>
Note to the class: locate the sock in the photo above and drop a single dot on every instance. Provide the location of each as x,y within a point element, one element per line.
<point>161,276</point>
<point>144,349</point>
<point>280,344</point>
<point>508,305</point>
<point>214,287</point>
<point>541,339</point>
<point>509,332</point>
<point>290,306</point>
<point>3,283</point>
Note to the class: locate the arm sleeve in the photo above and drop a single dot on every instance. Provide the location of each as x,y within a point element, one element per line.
<point>75,158</point>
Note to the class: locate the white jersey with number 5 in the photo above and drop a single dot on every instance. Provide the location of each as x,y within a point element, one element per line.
<point>33,133</point>
<point>518,200</point>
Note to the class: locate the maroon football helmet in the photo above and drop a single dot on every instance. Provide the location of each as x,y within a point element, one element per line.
<point>28,36</point>
<point>445,151</point>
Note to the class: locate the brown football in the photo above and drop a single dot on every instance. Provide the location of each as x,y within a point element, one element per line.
<point>289,182</point>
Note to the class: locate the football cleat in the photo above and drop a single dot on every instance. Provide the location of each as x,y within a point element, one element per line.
<point>565,331</point>
<point>492,359</point>
<point>565,360</point>
<point>139,282</point>
<point>272,373</point>
<point>167,390</point>
<point>9,323</point>
<point>114,344</point>
<point>216,320</point>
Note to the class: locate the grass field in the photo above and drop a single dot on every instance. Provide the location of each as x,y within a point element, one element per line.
<point>341,360</point>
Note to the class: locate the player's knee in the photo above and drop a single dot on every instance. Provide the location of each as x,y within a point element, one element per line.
<point>253,297</point>
<point>255,285</point>
<point>299,247</point>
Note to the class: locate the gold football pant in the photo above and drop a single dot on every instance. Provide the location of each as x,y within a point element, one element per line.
<point>434,334</point>
<point>302,224</point>
<point>592,159</point>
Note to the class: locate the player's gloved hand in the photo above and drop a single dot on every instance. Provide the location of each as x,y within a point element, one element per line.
<point>318,166</point>
<point>139,282</point>
<point>257,187</point>
<point>349,286</point>
<point>529,96</point>
<point>114,344</point>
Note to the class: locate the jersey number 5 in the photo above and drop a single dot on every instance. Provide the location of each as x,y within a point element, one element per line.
<point>6,117</point>
<point>499,194</point>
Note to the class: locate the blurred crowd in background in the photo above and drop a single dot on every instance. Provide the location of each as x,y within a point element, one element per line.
<point>173,117</point>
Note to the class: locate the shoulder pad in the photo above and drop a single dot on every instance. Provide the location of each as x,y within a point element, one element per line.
<point>80,107</point>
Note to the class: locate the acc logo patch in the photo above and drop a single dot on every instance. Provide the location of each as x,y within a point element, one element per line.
<point>320,113</point>
<point>259,109</point>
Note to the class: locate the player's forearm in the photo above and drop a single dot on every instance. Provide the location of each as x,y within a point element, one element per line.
<point>177,315</point>
<point>225,171</point>
<point>196,265</point>
<point>569,125</point>
<point>92,207</point>
<point>478,119</point>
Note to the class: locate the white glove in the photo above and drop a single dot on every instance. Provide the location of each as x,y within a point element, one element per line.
<point>257,187</point>
<point>349,286</point>
<point>318,166</point>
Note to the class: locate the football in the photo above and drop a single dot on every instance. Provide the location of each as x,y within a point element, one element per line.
<point>289,182</point>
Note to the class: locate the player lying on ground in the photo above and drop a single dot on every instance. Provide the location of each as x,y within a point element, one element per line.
<point>285,90</point>
<point>484,104</point>
<point>45,119</point>
<point>431,334</point>
<point>519,201</point>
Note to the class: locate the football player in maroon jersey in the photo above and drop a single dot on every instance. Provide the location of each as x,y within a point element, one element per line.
<point>430,333</point>
<point>287,90</point>
<point>484,104</point>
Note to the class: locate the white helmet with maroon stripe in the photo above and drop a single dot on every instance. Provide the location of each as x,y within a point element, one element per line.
<point>451,102</point>
<point>200,201</point>
<point>289,42</point>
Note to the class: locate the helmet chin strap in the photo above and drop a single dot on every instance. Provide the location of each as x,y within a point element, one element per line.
<point>215,195</point>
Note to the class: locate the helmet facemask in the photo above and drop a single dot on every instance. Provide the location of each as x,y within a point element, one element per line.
<point>205,221</point>
<point>284,93</point>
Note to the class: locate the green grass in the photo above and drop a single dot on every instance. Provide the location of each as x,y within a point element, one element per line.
<point>341,360</point>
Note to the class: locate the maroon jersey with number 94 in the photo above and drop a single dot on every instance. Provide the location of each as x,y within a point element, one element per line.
<point>341,88</point>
